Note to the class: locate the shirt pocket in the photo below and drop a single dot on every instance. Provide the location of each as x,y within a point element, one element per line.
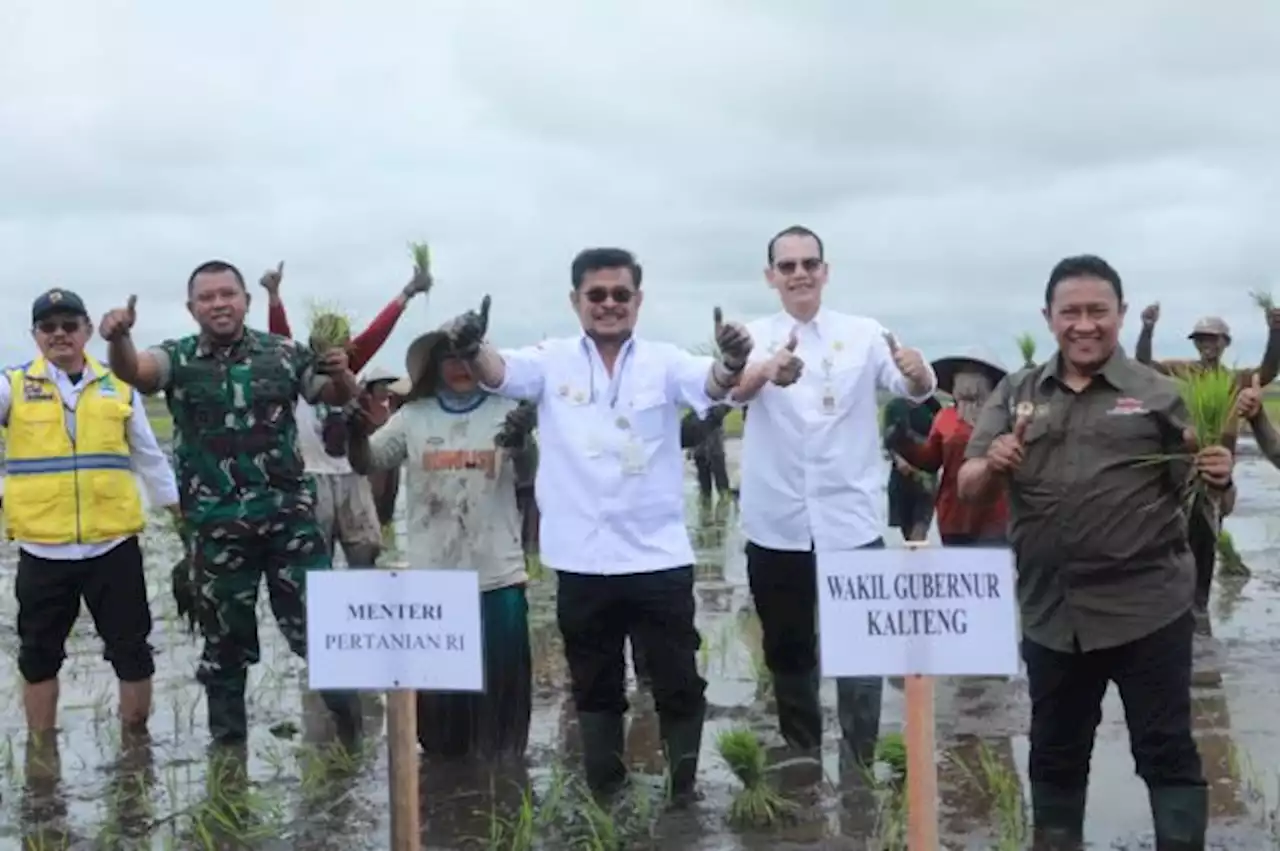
<point>649,415</point>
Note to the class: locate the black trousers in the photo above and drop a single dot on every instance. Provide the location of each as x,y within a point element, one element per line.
<point>784,590</point>
<point>113,588</point>
<point>712,471</point>
<point>1153,675</point>
<point>597,614</point>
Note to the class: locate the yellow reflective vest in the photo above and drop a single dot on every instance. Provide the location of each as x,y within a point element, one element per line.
<point>65,489</point>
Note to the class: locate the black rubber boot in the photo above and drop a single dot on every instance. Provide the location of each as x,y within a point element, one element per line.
<point>682,742</point>
<point>1181,817</point>
<point>228,720</point>
<point>799,711</point>
<point>347,716</point>
<point>858,701</point>
<point>603,744</point>
<point>1057,817</point>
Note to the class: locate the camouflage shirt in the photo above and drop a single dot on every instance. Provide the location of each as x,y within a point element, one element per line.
<point>235,440</point>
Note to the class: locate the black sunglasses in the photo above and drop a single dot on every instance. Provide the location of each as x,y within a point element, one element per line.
<point>788,267</point>
<point>620,295</point>
<point>67,326</point>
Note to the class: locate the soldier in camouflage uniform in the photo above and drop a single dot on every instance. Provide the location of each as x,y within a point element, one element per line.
<point>246,502</point>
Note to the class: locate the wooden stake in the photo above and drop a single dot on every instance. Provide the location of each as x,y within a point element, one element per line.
<point>922,767</point>
<point>402,759</point>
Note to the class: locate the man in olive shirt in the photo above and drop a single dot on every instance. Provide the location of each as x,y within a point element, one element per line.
<point>1105,577</point>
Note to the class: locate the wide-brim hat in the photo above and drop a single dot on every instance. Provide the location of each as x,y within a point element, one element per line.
<point>400,387</point>
<point>421,361</point>
<point>1211,326</point>
<point>946,368</point>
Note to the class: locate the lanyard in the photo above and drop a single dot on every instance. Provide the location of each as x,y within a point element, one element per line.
<point>615,386</point>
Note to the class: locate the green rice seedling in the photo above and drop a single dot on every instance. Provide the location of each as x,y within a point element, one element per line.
<point>1230,562</point>
<point>891,749</point>
<point>421,253</point>
<point>1210,398</point>
<point>1263,299</point>
<point>330,326</point>
<point>758,805</point>
<point>1027,349</point>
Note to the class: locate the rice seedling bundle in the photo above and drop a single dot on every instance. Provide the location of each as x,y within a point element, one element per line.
<point>757,805</point>
<point>1263,299</point>
<point>891,749</point>
<point>1027,348</point>
<point>1210,397</point>
<point>421,256</point>
<point>1230,562</point>
<point>330,326</point>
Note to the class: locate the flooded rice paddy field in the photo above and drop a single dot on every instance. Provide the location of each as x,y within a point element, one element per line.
<point>295,790</point>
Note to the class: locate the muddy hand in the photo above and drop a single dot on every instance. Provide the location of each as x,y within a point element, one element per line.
<point>270,280</point>
<point>119,322</point>
<point>1151,315</point>
<point>910,362</point>
<point>733,341</point>
<point>517,426</point>
<point>1007,451</point>
<point>787,367</point>
<point>466,333</point>
<point>1249,402</point>
<point>1214,464</point>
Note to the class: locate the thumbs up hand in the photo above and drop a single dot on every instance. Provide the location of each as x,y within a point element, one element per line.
<point>786,367</point>
<point>1249,402</point>
<point>910,363</point>
<point>466,333</point>
<point>733,341</point>
<point>270,280</point>
<point>1007,451</point>
<point>117,323</point>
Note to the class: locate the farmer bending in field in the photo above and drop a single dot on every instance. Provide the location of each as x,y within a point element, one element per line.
<point>345,507</point>
<point>1211,337</point>
<point>911,488</point>
<point>1104,575</point>
<point>246,500</point>
<point>813,476</point>
<point>611,489</point>
<point>77,436</point>
<point>457,441</point>
<point>969,379</point>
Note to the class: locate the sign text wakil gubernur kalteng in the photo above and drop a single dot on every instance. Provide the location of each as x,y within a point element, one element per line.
<point>955,588</point>
<point>408,633</point>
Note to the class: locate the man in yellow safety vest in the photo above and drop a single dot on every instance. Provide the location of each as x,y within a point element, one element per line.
<point>76,437</point>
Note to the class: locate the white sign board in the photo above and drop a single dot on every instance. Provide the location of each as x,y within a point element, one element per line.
<point>378,630</point>
<point>931,611</point>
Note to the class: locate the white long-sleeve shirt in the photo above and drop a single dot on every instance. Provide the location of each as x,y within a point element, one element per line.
<point>146,458</point>
<point>812,470</point>
<point>610,480</point>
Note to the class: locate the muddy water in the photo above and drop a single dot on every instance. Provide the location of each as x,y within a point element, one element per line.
<point>95,791</point>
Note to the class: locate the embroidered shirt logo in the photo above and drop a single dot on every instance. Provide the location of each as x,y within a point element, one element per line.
<point>1127,406</point>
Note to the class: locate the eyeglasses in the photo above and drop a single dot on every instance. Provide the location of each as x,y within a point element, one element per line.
<point>788,267</point>
<point>50,326</point>
<point>620,295</point>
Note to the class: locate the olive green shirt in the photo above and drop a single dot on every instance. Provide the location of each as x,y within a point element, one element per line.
<point>1100,537</point>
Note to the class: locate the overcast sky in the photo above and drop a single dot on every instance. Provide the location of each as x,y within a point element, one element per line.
<point>948,153</point>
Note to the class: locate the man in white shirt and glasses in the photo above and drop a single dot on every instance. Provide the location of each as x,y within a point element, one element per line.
<point>610,486</point>
<point>813,478</point>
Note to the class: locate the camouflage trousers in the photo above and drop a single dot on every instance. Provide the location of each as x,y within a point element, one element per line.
<point>229,560</point>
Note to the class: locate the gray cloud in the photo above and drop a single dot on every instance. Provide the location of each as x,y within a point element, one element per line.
<point>948,154</point>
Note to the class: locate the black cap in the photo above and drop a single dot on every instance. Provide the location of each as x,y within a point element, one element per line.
<point>57,301</point>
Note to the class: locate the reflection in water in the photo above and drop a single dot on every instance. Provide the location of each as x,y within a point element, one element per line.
<point>644,742</point>
<point>1228,595</point>
<point>1224,770</point>
<point>468,803</point>
<point>129,811</point>
<point>44,810</point>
